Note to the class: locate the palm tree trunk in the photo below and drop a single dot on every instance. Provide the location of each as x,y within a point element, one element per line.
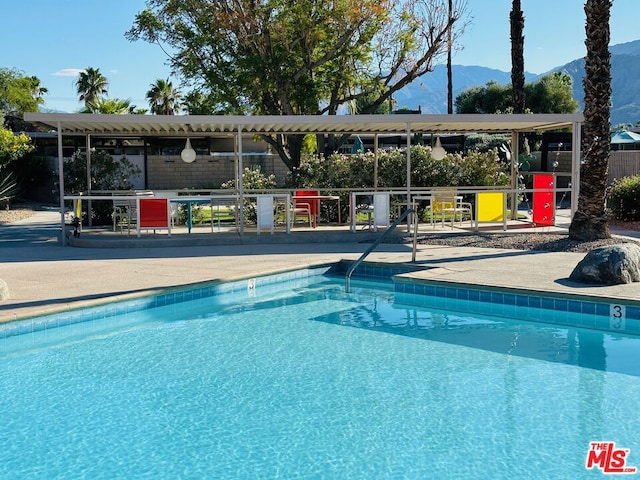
<point>517,57</point>
<point>449,70</point>
<point>590,221</point>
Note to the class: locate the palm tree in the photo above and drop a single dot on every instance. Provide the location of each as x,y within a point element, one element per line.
<point>517,56</point>
<point>590,221</point>
<point>91,85</point>
<point>163,98</point>
<point>36,90</point>
<point>112,106</point>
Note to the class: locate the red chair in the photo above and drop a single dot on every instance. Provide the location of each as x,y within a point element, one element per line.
<point>307,207</point>
<point>154,214</point>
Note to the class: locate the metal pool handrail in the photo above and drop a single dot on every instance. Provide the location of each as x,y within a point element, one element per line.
<point>389,229</point>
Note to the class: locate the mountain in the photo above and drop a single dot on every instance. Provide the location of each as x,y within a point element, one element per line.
<point>625,82</point>
<point>430,92</point>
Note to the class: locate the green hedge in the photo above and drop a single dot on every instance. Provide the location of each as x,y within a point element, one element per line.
<point>356,171</point>
<point>624,199</point>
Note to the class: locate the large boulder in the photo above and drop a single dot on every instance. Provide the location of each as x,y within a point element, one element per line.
<point>611,265</point>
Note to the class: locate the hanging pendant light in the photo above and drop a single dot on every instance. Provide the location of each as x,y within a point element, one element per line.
<point>437,152</point>
<point>188,154</point>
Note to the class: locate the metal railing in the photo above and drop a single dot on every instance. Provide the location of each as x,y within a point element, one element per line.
<point>377,242</point>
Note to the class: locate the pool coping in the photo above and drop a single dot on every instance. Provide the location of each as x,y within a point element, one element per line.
<point>407,278</point>
<point>597,312</point>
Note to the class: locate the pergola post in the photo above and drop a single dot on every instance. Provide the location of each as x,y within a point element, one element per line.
<point>61,184</point>
<point>408,174</point>
<point>89,185</point>
<point>375,162</point>
<point>240,181</point>
<point>576,150</point>
<point>515,180</point>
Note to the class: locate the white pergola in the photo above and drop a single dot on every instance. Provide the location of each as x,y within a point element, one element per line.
<point>193,126</point>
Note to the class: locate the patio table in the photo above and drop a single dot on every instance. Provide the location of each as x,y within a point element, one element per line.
<point>189,201</point>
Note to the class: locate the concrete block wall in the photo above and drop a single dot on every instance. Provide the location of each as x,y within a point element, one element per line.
<point>169,172</point>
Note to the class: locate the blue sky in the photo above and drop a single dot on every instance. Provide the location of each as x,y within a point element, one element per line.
<point>54,39</point>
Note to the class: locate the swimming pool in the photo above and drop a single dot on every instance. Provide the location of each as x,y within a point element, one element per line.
<point>289,377</point>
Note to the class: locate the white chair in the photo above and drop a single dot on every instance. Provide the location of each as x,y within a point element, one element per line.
<point>124,213</point>
<point>301,210</point>
<point>265,219</point>
<point>376,208</point>
<point>366,209</point>
<point>380,210</point>
<point>174,207</point>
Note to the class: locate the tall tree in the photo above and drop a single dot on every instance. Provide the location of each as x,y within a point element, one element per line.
<point>299,57</point>
<point>553,93</point>
<point>590,221</point>
<point>19,93</point>
<point>91,85</point>
<point>517,56</point>
<point>163,98</point>
<point>197,103</point>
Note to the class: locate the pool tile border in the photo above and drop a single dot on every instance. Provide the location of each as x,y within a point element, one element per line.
<point>567,310</point>
<point>563,309</point>
<point>531,305</point>
<point>166,298</point>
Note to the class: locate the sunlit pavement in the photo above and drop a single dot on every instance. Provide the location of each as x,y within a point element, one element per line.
<point>42,276</point>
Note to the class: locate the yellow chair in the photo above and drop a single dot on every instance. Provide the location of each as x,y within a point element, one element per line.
<point>446,202</point>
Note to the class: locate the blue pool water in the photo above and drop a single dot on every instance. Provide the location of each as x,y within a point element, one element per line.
<point>300,380</point>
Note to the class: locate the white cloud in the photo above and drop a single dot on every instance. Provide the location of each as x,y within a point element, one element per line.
<point>68,72</point>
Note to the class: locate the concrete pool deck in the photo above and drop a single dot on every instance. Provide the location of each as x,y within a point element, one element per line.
<point>44,277</point>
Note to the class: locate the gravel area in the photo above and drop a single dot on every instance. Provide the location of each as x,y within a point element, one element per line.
<point>19,212</point>
<point>548,242</point>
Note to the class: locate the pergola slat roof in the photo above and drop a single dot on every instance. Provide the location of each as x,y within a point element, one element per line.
<point>193,125</point>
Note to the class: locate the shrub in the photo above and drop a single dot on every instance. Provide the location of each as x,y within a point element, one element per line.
<point>35,177</point>
<point>484,142</point>
<point>107,173</point>
<point>8,189</point>
<point>624,199</point>
<point>252,179</point>
<point>13,147</point>
<point>356,171</point>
